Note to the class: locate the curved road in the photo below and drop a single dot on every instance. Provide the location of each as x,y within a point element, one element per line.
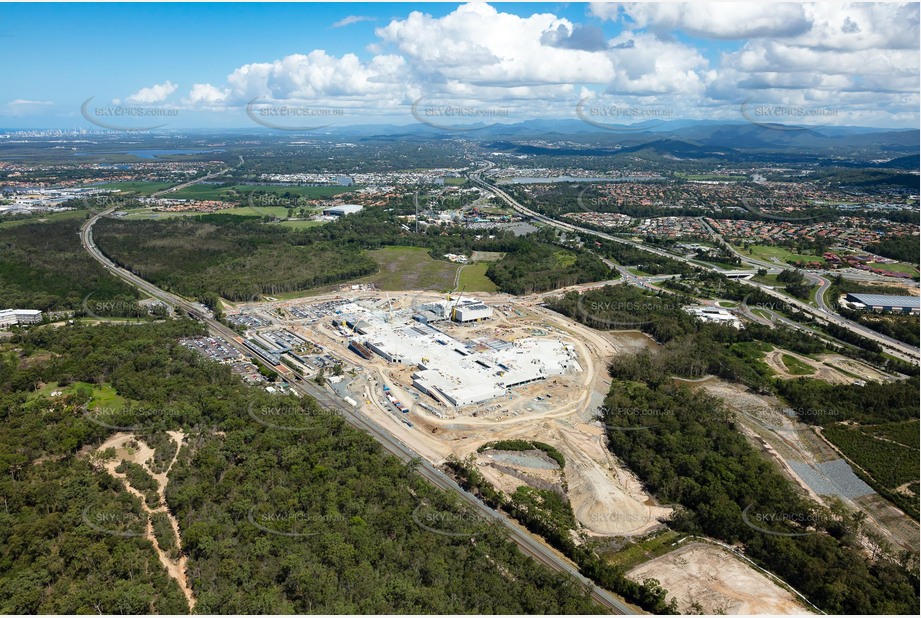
<point>528,544</point>
<point>892,346</point>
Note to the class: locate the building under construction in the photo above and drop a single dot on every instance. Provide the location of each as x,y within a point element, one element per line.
<point>451,371</point>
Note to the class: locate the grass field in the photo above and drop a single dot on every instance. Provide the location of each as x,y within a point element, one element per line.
<point>766,252</point>
<point>637,552</point>
<point>278,212</point>
<point>898,267</point>
<point>57,216</point>
<point>473,276</point>
<point>298,225</point>
<point>410,268</point>
<point>796,366</point>
<point>139,188</point>
<point>217,192</point>
<point>103,396</point>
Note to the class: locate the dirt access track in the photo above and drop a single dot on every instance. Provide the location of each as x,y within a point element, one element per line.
<point>561,410</point>
<point>718,582</point>
<point>143,455</point>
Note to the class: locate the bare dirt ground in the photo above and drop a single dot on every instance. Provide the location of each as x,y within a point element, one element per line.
<point>718,582</point>
<point>862,370</point>
<point>143,455</point>
<point>606,498</point>
<point>774,360</point>
<point>784,438</point>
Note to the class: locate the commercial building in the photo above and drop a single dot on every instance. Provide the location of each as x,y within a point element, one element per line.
<point>454,372</point>
<point>457,309</point>
<point>715,315</point>
<point>883,303</point>
<point>15,317</point>
<point>472,312</point>
<point>342,210</point>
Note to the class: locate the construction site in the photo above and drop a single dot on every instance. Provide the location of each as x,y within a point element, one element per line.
<point>450,374</point>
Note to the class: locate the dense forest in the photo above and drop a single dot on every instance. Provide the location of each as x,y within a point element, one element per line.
<point>239,258</point>
<point>538,267</point>
<point>366,554</point>
<point>692,454</point>
<point>902,248</point>
<point>43,266</point>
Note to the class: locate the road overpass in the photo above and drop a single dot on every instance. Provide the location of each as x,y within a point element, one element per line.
<point>892,346</point>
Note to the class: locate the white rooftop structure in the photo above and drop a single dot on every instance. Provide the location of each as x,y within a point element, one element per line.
<point>342,210</point>
<point>458,373</point>
<point>716,315</point>
<point>12,317</point>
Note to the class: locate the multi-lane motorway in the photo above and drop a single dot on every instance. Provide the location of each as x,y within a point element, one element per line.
<point>821,314</point>
<point>528,544</point>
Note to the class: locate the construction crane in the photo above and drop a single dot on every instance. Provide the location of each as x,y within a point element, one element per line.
<point>454,308</point>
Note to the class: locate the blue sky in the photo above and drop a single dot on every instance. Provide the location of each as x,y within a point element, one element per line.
<point>844,64</point>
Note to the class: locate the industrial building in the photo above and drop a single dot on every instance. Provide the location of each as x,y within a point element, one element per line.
<point>454,372</point>
<point>458,309</point>
<point>15,317</point>
<point>883,303</point>
<point>342,210</point>
<point>715,315</point>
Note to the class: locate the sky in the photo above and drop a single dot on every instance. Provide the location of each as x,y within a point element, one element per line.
<point>303,66</point>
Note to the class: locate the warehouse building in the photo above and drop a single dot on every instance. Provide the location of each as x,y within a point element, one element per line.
<point>458,309</point>
<point>342,210</point>
<point>455,372</point>
<point>16,317</point>
<point>883,303</point>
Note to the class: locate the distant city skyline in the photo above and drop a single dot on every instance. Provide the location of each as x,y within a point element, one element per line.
<point>311,66</point>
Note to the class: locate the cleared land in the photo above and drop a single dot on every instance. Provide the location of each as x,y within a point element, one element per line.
<point>473,278</point>
<point>766,252</point>
<point>218,192</point>
<point>410,268</point>
<point>45,218</point>
<point>709,580</point>
<point>137,188</point>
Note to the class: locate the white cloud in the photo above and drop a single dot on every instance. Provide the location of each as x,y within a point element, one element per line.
<point>721,20</point>
<point>23,102</point>
<point>352,19</point>
<point>542,63</point>
<point>154,94</point>
<point>206,95</point>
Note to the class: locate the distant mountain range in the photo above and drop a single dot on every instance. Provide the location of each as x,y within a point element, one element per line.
<point>678,138</point>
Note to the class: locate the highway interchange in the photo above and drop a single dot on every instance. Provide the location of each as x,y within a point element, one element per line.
<point>529,544</point>
<point>821,314</point>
